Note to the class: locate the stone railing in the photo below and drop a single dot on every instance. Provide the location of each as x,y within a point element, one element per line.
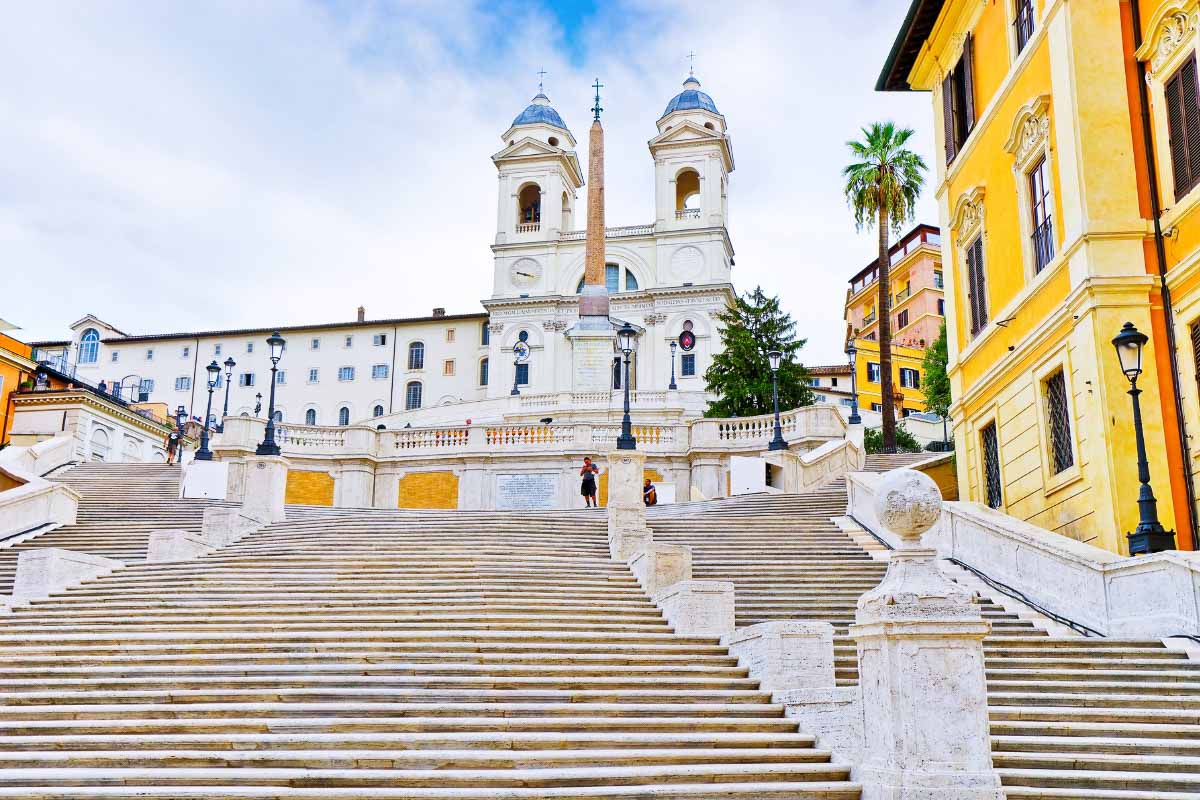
<point>426,438</point>
<point>40,458</point>
<point>1154,595</point>
<point>528,227</point>
<point>309,436</point>
<point>687,213</point>
<point>524,436</point>
<point>609,233</point>
<point>28,501</point>
<point>639,398</point>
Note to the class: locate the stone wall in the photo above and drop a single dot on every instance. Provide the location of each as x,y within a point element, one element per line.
<point>438,489</point>
<point>309,487</point>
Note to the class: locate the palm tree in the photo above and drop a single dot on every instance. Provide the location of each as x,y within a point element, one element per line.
<point>882,186</point>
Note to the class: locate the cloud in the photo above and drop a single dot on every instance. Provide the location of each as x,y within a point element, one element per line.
<point>181,166</point>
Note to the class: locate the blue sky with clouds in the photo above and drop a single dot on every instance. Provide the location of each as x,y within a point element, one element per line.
<point>175,166</point>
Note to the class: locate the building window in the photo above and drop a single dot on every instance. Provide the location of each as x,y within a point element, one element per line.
<point>278,415</point>
<point>246,379</point>
<point>1023,25</point>
<point>833,381</point>
<point>1043,226</point>
<point>344,415</point>
<point>379,339</point>
<point>379,372</point>
<point>631,283</point>
<point>876,406</point>
<point>941,307</point>
<point>412,395</point>
<point>976,286</point>
<point>346,374</point>
<point>89,346</point>
<point>145,388</point>
<point>1183,126</point>
<point>872,372</point>
<point>310,417</point>
<point>249,347</point>
<point>183,384</point>
<point>448,367</point>
<point>187,351</point>
<point>348,341</point>
<point>522,374</point>
<point>958,101</point>
<point>377,411</point>
<point>216,349</point>
<point>687,365</point>
<point>150,354</point>
<point>116,356</point>
<point>1058,421</point>
<point>416,355</point>
<point>485,335</point>
<point>314,375</point>
<point>280,377</point>
<point>910,378</point>
<point>315,344</point>
<point>938,281</point>
<point>220,381</point>
<point>612,277</point>
<point>450,334</point>
<point>483,372</point>
<point>902,319</point>
<point>990,445</point>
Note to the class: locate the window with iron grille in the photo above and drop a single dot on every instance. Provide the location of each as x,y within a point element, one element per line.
<point>344,415</point>
<point>977,286</point>
<point>1043,225</point>
<point>412,395</point>
<point>1058,422</point>
<point>1023,23</point>
<point>990,444</point>
<point>1183,126</point>
<point>416,355</point>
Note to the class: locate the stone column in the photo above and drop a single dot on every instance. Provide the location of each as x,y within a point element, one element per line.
<point>920,654</point>
<point>627,531</point>
<point>266,482</point>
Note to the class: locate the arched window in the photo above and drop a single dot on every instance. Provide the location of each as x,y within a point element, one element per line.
<point>344,415</point>
<point>687,191</point>
<point>310,417</point>
<point>99,445</point>
<point>416,355</point>
<point>278,415</point>
<point>529,205</point>
<point>412,395</point>
<point>89,346</point>
<point>483,372</point>
<point>613,275</point>
<point>566,212</point>
<point>378,411</point>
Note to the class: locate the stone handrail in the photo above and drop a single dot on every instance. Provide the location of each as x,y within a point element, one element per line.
<point>32,502</point>
<point>589,400</point>
<point>40,458</point>
<point>1149,596</point>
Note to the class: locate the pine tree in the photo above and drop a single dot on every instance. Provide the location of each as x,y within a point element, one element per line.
<point>741,374</point>
<point>935,381</point>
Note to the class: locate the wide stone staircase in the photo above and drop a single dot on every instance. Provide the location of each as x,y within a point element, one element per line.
<point>120,505</point>
<point>387,655</point>
<point>1071,717</point>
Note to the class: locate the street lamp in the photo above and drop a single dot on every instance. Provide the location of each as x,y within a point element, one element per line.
<point>268,447</point>
<point>180,418</point>
<point>852,352</point>
<point>229,365</point>
<point>204,454</point>
<point>257,403</point>
<point>673,386</point>
<point>774,357</point>
<point>520,356</point>
<point>1149,536</point>
<point>627,337</point>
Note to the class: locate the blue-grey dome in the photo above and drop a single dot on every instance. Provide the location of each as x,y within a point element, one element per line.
<point>690,98</point>
<point>540,112</point>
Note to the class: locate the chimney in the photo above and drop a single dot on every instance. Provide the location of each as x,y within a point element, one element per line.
<point>362,313</point>
<point>439,312</point>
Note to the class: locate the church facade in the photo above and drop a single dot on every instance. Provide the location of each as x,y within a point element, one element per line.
<point>666,277</point>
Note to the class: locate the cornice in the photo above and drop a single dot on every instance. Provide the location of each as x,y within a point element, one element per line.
<point>59,397</point>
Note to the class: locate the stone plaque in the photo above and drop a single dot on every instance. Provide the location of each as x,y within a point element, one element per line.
<point>527,490</point>
<point>592,360</point>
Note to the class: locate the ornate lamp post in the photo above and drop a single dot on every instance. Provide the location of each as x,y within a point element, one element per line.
<point>204,454</point>
<point>180,418</point>
<point>257,403</point>
<point>520,356</point>
<point>229,365</point>
<point>673,386</point>
<point>852,352</point>
<point>268,447</point>
<point>774,357</point>
<point>627,337</point>
<point>1149,536</point>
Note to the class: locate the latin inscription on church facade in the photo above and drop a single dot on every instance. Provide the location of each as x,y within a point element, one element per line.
<point>526,491</point>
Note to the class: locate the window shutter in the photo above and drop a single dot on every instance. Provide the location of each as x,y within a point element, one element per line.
<point>976,285</point>
<point>1195,331</point>
<point>1183,126</point>
<point>948,114</point>
<point>968,72</point>
<point>1191,118</point>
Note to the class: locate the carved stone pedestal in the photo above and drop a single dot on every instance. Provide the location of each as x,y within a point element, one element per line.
<point>266,483</point>
<point>627,531</point>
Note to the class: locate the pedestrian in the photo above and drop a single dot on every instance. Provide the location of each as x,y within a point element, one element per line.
<point>649,493</point>
<point>588,487</point>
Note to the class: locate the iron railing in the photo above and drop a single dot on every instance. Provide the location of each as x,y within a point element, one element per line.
<point>1043,245</point>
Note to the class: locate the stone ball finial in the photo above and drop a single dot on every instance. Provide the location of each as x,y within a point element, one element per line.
<point>908,503</point>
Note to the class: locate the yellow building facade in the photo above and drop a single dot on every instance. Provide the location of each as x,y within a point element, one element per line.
<point>917,308</point>
<point>1051,195</point>
<point>16,366</point>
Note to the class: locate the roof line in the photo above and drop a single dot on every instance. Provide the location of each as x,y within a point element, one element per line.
<point>889,80</point>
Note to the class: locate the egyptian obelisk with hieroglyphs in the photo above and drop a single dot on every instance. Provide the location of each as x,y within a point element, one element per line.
<point>593,336</point>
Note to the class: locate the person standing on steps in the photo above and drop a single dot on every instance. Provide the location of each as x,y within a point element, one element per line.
<point>588,487</point>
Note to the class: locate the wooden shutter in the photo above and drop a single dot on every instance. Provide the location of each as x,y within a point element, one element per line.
<point>948,121</point>
<point>1195,332</point>
<point>967,65</point>
<point>977,288</point>
<point>1183,126</point>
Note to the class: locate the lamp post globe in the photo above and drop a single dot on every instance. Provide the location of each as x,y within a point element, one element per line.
<point>276,344</point>
<point>180,419</point>
<point>229,365</point>
<point>852,354</point>
<point>774,358</point>
<point>1149,536</point>
<point>627,340</point>
<point>213,370</point>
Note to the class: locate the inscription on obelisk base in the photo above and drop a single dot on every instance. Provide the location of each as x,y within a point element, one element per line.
<point>591,360</point>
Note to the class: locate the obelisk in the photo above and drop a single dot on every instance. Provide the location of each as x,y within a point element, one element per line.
<point>593,336</point>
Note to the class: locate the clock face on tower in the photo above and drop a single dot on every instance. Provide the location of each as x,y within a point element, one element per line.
<point>525,272</point>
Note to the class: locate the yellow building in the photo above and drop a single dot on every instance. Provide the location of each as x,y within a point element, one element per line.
<point>1063,218</point>
<point>16,366</point>
<point>918,310</point>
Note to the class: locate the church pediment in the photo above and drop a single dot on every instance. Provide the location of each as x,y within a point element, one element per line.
<point>691,134</point>
<point>530,149</point>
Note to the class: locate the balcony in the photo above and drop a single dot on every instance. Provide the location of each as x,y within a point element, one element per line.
<point>528,227</point>
<point>687,213</point>
<point>868,319</point>
<point>904,294</point>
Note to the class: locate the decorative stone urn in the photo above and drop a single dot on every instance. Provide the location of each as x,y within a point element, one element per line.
<point>920,653</point>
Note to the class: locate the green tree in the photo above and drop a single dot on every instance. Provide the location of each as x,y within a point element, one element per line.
<point>741,374</point>
<point>935,381</point>
<point>883,183</point>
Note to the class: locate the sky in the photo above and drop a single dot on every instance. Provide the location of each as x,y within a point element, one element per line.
<point>187,166</point>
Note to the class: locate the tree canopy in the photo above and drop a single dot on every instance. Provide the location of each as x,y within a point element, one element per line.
<point>935,381</point>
